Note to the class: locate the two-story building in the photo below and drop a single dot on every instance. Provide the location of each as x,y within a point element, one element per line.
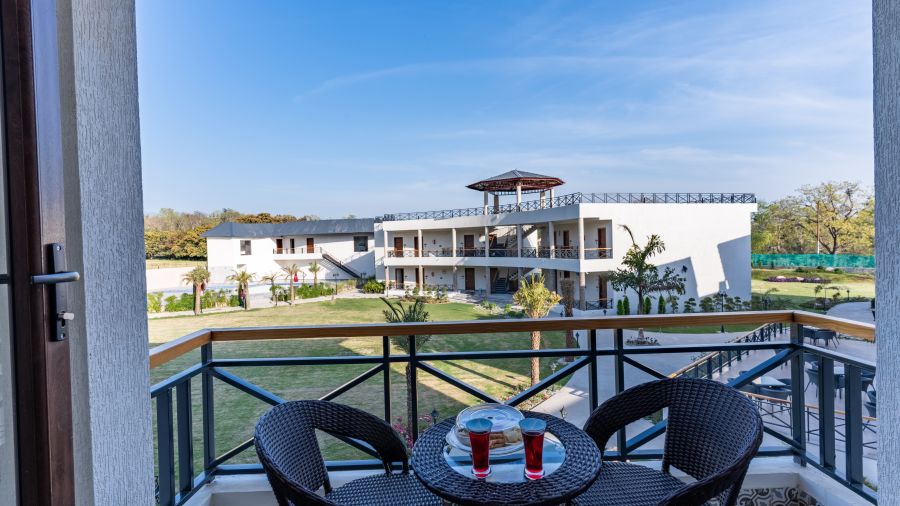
<point>343,249</point>
<point>488,249</point>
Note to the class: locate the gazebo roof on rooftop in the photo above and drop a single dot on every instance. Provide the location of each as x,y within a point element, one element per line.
<point>507,183</point>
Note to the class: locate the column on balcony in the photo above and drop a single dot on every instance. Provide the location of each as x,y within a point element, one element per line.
<point>485,202</point>
<point>487,274</point>
<point>421,277</point>
<point>581,240</point>
<point>453,247</point>
<point>518,197</point>
<point>487,243</point>
<point>552,196</point>
<point>552,238</point>
<point>387,277</point>
<point>385,232</point>
<point>496,204</point>
<point>455,275</point>
<point>543,199</point>
<point>519,241</point>
<point>582,290</point>
<point>421,247</point>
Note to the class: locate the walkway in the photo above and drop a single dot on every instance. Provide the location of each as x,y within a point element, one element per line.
<point>858,311</point>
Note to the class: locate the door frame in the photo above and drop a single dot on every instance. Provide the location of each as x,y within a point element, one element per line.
<point>33,139</point>
<point>469,274</point>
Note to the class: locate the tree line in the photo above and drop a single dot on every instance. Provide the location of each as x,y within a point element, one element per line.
<point>830,218</point>
<point>175,234</point>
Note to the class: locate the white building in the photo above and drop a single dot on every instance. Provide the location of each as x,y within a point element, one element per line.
<point>343,249</point>
<point>487,249</point>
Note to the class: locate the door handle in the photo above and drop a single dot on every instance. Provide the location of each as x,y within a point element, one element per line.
<point>58,299</point>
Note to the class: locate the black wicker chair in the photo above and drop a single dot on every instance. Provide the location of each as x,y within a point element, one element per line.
<point>287,448</point>
<point>712,434</point>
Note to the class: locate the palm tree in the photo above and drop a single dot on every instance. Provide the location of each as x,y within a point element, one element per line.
<point>198,277</point>
<point>399,313</point>
<point>272,279</point>
<point>314,269</point>
<point>537,301</point>
<point>638,274</point>
<point>291,272</point>
<point>243,279</point>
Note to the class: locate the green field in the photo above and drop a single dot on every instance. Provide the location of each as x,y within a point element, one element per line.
<point>236,412</point>
<point>801,295</point>
<point>164,263</point>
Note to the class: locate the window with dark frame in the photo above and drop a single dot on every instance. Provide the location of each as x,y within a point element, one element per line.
<point>245,247</point>
<point>360,243</point>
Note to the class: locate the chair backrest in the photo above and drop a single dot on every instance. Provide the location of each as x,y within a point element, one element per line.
<point>713,432</point>
<point>286,444</point>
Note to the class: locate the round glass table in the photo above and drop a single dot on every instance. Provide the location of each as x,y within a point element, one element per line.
<point>571,464</point>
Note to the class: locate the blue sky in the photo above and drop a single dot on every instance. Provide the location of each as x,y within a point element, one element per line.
<point>332,108</point>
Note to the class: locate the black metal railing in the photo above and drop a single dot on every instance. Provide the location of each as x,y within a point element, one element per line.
<point>594,305</point>
<point>470,252</point>
<point>579,198</point>
<point>596,253</point>
<point>178,483</point>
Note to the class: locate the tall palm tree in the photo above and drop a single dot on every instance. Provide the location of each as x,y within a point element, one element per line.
<point>272,279</point>
<point>399,313</point>
<point>291,272</point>
<point>198,277</point>
<point>639,274</point>
<point>314,269</point>
<point>243,279</point>
<point>537,301</point>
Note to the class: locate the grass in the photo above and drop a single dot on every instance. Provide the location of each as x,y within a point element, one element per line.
<point>801,295</point>
<point>237,412</point>
<point>168,263</point>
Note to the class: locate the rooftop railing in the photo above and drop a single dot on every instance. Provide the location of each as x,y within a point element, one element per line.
<point>579,198</point>
<point>779,337</point>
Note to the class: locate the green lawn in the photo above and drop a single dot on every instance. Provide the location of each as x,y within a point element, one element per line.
<point>163,263</point>
<point>801,295</point>
<point>236,412</point>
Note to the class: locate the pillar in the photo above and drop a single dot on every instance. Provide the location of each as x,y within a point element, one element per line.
<point>487,274</point>
<point>552,233</point>
<point>453,244</point>
<point>496,204</point>
<point>581,239</point>
<point>552,196</point>
<point>421,244</point>
<point>455,279</point>
<point>387,277</point>
<point>487,243</point>
<point>582,289</point>
<point>518,197</point>
<point>485,202</point>
<point>519,241</point>
<point>886,20</point>
<point>421,276</point>
<point>543,199</point>
<point>385,244</point>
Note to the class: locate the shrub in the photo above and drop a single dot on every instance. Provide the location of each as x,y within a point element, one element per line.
<point>184,302</point>
<point>707,305</point>
<point>154,302</point>
<point>661,305</point>
<point>626,306</point>
<point>373,286</point>
<point>647,305</point>
<point>690,305</point>
<point>620,307</point>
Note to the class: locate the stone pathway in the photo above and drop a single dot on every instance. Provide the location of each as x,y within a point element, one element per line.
<point>858,311</point>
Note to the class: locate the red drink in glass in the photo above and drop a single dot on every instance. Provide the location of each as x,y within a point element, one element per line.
<point>533,434</point>
<point>480,441</point>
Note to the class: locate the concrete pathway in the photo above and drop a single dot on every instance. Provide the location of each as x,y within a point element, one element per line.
<point>858,311</point>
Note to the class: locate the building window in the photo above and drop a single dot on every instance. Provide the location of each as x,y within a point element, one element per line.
<point>245,247</point>
<point>360,243</point>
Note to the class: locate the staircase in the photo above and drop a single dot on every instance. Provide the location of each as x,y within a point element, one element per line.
<point>337,263</point>
<point>499,285</point>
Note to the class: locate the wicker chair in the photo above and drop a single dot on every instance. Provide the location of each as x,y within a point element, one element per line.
<point>712,434</point>
<point>287,448</point>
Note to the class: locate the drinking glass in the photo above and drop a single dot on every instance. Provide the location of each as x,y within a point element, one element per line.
<point>480,441</point>
<point>533,434</point>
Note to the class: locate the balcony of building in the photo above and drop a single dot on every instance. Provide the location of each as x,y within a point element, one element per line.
<point>299,253</point>
<point>820,420</point>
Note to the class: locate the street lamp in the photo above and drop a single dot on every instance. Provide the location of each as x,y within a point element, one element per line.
<point>722,296</point>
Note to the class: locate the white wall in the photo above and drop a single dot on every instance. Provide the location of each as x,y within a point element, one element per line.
<point>886,23</point>
<point>104,227</point>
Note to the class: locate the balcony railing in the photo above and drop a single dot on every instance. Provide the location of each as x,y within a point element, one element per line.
<point>595,253</point>
<point>566,252</point>
<point>470,252</point>
<point>779,338</point>
<point>297,251</point>
<point>580,198</point>
<point>503,252</point>
<point>595,305</point>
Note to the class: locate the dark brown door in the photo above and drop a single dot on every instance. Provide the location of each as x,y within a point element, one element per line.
<point>292,245</point>
<point>34,201</point>
<point>398,246</point>
<point>417,277</point>
<point>603,295</point>
<point>470,279</point>
<point>279,245</point>
<point>399,277</point>
<point>310,245</point>
<point>468,246</point>
<point>416,247</point>
<point>565,238</point>
<point>601,239</point>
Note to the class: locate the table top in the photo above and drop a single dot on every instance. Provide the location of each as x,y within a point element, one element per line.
<point>439,470</point>
<point>768,381</point>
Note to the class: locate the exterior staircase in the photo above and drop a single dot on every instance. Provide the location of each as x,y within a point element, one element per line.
<point>337,263</point>
<point>499,285</point>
